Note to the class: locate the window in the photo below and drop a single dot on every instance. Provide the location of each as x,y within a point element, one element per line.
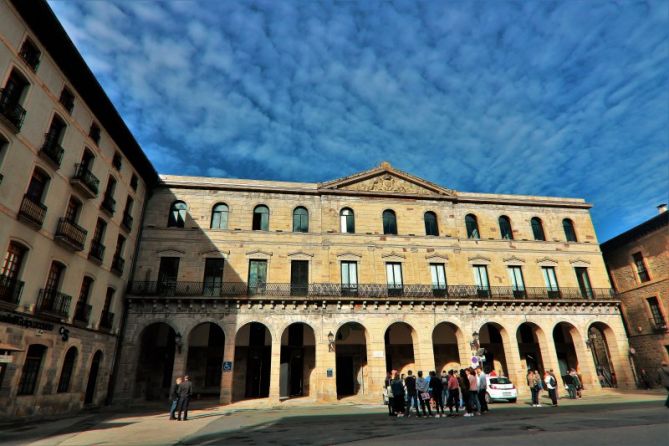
<point>389,222</point>
<point>30,54</point>
<point>108,300</point>
<point>431,227</point>
<point>3,151</point>
<point>133,182</point>
<point>11,266</point>
<point>108,201</point>
<point>349,278</point>
<point>299,277</point>
<point>67,370</point>
<point>87,160</point>
<point>120,244</point>
<point>517,282</point>
<point>583,281</point>
<point>72,210</point>
<point>347,221</point>
<point>219,216</point>
<point>213,276</point>
<point>641,269</point>
<point>655,312</point>
<point>505,227</point>
<point>37,186</point>
<point>94,133</point>
<point>438,273</point>
<point>177,217</point>
<point>127,213</point>
<point>569,231</point>
<point>100,228</point>
<point>472,226</point>
<point>107,317</point>
<point>117,161</point>
<point>257,276</point>
<point>11,97</point>
<point>261,218</point>
<point>84,292</point>
<point>300,220</point>
<point>168,273</point>
<point>481,280</point>
<point>551,281</point>
<point>538,229</point>
<point>53,280</point>
<point>52,140</point>
<point>394,279</point>
<point>31,369</point>
<point>67,99</point>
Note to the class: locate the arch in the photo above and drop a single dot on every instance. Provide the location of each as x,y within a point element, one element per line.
<point>204,364</point>
<point>297,360</point>
<point>219,216</point>
<point>155,361</point>
<point>91,386</point>
<point>600,335</point>
<point>565,337</point>
<point>492,337</point>
<point>260,218</point>
<point>347,221</point>
<point>300,219</point>
<point>400,338</point>
<point>351,339</point>
<point>67,370</point>
<point>530,337</point>
<point>538,229</point>
<point>446,340</point>
<point>505,227</point>
<point>252,362</point>
<point>431,226</point>
<point>177,215</point>
<point>472,226</point>
<point>389,222</point>
<point>569,231</point>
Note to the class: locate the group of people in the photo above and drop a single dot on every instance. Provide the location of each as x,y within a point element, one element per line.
<point>180,394</point>
<point>465,389</point>
<point>536,382</point>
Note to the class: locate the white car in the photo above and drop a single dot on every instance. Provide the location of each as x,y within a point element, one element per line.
<point>500,388</point>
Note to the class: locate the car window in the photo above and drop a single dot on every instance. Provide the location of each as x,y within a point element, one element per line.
<point>500,381</point>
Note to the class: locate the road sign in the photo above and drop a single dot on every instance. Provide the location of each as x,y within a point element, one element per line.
<point>227,366</point>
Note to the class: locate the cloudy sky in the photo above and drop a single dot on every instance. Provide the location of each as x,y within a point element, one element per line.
<point>566,98</point>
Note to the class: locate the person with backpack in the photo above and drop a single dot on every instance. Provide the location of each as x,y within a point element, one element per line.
<point>423,388</point>
<point>551,385</point>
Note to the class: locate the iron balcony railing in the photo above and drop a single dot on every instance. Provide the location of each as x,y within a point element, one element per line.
<point>32,211</point>
<point>52,150</point>
<point>658,326</point>
<point>118,263</point>
<point>106,320</point>
<point>373,291</point>
<point>10,290</point>
<point>127,222</point>
<point>82,312</point>
<point>53,303</point>
<point>71,233</point>
<point>83,175</point>
<point>11,109</point>
<point>108,204</point>
<point>97,251</point>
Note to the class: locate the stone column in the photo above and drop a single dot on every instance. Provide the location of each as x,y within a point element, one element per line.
<point>376,364</point>
<point>275,370</point>
<point>180,359</point>
<point>226,376</point>
<point>512,356</point>
<point>423,350</point>
<point>550,358</point>
<point>619,354</point>
<point>325,387</point>
<point>586,362</point>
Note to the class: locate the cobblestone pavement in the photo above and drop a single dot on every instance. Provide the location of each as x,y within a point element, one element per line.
<point>611,419</point>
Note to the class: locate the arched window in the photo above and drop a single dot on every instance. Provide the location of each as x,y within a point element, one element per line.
<point>31,369</point>
<point>505,227</point>
<point>389,222</point>
<point>472,226</point>
<point>538,229</point>
<point>569,231</point>
<point>347,221</point>
<point>261,218</point>
<point>431,227</point>
<point>219,216</point>
<point>67,370</point>
<point>177,217</point>
<point>300,220</point>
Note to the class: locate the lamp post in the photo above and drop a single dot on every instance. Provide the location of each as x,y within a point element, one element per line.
<point>331,342</point>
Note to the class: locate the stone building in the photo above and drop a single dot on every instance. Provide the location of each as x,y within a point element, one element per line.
<point>72,191</point>
<point>638,264</point>
<point>282,289</point>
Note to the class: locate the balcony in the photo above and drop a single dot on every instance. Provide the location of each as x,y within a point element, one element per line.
<point>320,291</point>
<point>84,181</point>
<point>118,263</point>
<point>52,303</point>
<point>10,292</point>
<point>126,223</point>
<point>51,150</point>
<point>97,252</point>
<point>82,313</point>
<point>106,320</point>
<point>32,212</point>
<point>70,234</point>
<point>658,326</point>
<point>108,205</point>
<point>11,111</point>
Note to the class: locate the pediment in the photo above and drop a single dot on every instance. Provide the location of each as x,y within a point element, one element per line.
<point>386,180</point>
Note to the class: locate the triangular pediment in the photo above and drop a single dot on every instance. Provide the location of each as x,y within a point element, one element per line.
<point>384,179</point>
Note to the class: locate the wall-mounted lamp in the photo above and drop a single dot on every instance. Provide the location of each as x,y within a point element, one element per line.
<point>331,342</point>
<point>475,341</point>
<point>177,341</point>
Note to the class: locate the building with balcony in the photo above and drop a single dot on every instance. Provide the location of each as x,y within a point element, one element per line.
<point>638,264</point>
<point>61,298</point>
<point>283,289</point>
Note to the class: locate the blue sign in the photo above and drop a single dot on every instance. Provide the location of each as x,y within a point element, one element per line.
<point>227,366</point>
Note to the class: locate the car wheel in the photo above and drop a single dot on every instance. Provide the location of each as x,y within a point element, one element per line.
<point>488,400</point>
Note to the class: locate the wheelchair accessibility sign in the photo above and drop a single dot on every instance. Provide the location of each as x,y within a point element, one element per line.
<point>227,366</point>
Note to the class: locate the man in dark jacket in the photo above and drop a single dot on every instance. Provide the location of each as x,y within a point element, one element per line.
<point>412,397</point>
<point>185,391</point>
<point>174,398</point>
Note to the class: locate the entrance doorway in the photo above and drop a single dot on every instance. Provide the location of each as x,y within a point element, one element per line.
<point>298,359</point>
<point>253,357</point>
<point>155,362</point>
<point>205,358</point>
<point>399,339</point>
<point>351,359</point>
<point>93,378</point>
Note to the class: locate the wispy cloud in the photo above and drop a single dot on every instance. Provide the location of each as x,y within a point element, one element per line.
<point>547,98</point>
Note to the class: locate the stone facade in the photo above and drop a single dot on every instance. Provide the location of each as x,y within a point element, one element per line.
<point>640,292</point>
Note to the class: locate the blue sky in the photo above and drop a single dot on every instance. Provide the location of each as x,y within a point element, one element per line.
<point>567,98</point>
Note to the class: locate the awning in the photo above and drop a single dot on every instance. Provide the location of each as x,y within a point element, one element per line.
<point>10,347</point>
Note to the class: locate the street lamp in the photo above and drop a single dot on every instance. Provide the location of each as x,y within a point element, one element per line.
<point>331,342</point>
<point>177,341</point>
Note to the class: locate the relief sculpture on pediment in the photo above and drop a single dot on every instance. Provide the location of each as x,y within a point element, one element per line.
<point>388,183</point>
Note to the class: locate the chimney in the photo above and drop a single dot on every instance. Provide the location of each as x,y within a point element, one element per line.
<point>661,208</point>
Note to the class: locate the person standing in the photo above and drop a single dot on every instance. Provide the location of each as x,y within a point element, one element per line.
<point>577,382</point>
<point>423,388</point>
<point>437,392</point>
<point>397,387</point>
<point>551,385</point>
<point>645,379</point>
<point>569,383</point>
<point>464,393</point>
<point>389,393</point>
<point>473,391</point>
<point>412,397</point>
<point>444,386</point>
<point>664,379</point>
<point>453,399</point>
<point>185,392</point>
<point>174,398</point>
<point>483,389</point>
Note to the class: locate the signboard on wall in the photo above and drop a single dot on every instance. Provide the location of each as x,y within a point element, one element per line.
<point>227,366</point>
<point>330,373</point>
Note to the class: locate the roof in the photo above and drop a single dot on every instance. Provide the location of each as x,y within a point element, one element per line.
<point>645,228</point>
<point>45,26</point>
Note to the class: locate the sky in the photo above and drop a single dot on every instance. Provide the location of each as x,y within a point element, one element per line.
<point>567,98</point>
